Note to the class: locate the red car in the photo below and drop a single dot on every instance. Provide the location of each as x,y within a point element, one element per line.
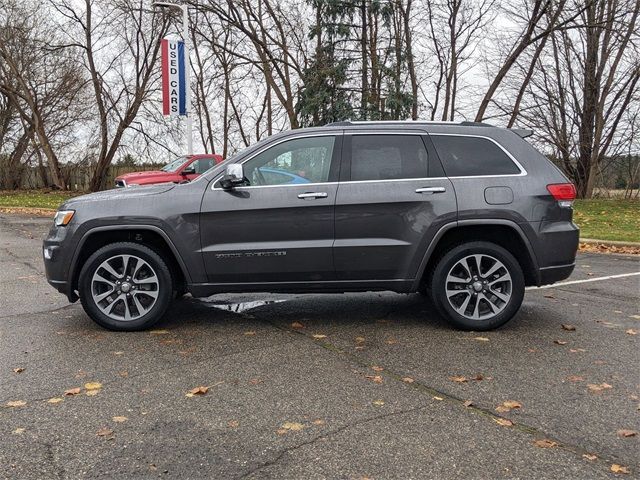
<point>180,170</point>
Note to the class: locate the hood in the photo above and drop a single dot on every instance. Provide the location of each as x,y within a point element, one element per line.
<point>118,194</point>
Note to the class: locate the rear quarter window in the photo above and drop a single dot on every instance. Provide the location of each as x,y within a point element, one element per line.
<point>472,156</point>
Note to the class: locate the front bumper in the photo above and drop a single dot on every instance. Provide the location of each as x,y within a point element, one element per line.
<point>56,263</point>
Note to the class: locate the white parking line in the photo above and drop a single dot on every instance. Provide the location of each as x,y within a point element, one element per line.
<point>573,282</point>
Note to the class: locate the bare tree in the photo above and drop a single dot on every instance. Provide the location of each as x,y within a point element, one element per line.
<point>120,44</point>
<point>43,100</point>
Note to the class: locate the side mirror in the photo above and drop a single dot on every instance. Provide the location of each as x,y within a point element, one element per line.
<point>233,176</point>
<point>189,170</point>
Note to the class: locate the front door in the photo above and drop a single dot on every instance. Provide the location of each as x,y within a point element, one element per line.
<point>279,226</point>
<point>393,200</point>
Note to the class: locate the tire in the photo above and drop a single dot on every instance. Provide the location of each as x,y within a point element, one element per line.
<point>491,300</point>
<point>125,268</point>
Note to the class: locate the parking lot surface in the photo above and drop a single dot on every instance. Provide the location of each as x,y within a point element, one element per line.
<point>350,386</point>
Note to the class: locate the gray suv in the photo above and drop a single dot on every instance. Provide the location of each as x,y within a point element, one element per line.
<point>466,213</point>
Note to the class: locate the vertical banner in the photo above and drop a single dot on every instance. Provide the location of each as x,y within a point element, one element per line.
<point>174,84</point>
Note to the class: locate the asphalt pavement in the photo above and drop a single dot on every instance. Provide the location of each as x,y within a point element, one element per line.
<point>352,386</point>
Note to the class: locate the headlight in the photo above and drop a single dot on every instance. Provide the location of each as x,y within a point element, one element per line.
<point>63,217</point>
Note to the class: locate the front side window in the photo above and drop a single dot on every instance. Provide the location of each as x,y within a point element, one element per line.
<point>297,161</point>
<point>202,165</point>
<point>472,156</point>
<point>388,157</point>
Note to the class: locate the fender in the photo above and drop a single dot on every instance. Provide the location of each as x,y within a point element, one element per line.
<point>482,221</point>
<point>153,228</point>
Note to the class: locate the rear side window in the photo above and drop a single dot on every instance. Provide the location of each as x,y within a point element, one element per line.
<point>388,157</point>
<point>472,156</point>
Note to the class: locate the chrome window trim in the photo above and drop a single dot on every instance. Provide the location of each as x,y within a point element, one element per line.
<point>522,173</point>
<point>266,147</point>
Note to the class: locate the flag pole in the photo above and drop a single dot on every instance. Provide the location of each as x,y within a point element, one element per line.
<point>187,67</point>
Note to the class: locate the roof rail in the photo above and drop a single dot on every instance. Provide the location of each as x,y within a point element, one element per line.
<point>465,123</point>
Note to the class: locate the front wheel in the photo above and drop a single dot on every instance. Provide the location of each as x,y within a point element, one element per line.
<point>125,286</point>
<point>477,286</point>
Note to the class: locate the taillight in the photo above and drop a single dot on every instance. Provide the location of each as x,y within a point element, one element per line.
<point>564,193</point>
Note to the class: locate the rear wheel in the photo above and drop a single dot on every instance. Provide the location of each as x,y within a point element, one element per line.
<point>125,286</point>
<point>477,286</point>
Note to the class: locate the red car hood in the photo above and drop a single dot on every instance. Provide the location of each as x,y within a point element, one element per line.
<point>154,176</point>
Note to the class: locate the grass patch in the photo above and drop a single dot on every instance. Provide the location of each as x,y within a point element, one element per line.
<point>49,199</point>
<point>608,219</point>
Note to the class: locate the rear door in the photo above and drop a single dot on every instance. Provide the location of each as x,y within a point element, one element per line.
<point>392,199</point>
<point>280,226</point>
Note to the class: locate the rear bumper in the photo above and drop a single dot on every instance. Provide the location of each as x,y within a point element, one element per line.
<point>556,273</point>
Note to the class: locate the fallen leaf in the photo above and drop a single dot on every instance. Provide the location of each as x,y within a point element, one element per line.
<point>615,468</point>
<point>598,388</point>
<point>92,393</point>
<point>319,336</point>
<point>292,426</point>
<point>255,381</point>
<point>93,386</point>
<point>16,403</point>
<point>159,332</point>
<point>55,400</point>
<point>18,370</point>
<point>297,325</point>
<point>575,378</point>
<point>233,423</point>
<point>119,419</point>
<point>478,377</point>
<point>631,331</point>
<point>72,391</point>
<point>375,368</point>
<point>378,403</point>
<point>360,340</point>
<point>577,350</point>
<point>559,342</point>
<point>589,456</point>
<point>18,431</point>
<point>123,373</point>
<point>250,333</point>
<point>197,391</point>
<point>468,403</point>
<point>318,421</point>
<point>569,328</point>
<point>281,431</point>
<point>374,378</point>
<point>508,406</point>
<point>408,380</point>
<point>627,433</point>
<point>545,443</point>
<point>481,339</point>
<point>391,341</point>
<point>458,379</point>
<point>104,432</point>
<point>503,421</point>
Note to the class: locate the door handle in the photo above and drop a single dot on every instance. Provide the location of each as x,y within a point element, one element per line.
<point>312,195</point>
<point>431,190</point>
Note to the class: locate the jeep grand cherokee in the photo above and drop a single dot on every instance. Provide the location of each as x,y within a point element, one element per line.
<point>467,213</point>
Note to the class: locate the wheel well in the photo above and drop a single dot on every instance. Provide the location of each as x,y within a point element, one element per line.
<point>502,235</point>
<point>149,238</point>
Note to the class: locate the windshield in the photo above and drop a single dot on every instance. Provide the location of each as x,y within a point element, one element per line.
<point>175,165</point>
